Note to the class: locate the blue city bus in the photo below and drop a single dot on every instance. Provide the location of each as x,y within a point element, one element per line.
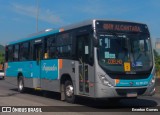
<point>94,58</point>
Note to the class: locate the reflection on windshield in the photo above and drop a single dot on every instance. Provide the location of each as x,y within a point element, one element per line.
<point>141,51</point>
<point>115,52</point>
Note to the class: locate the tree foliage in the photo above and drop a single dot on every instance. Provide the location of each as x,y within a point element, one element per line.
<point>1,57</point>
<point>157,62</point>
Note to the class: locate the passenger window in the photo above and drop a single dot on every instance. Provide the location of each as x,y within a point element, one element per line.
<point>16,52</point>
<point>24,52</point>
<point>10,53</point>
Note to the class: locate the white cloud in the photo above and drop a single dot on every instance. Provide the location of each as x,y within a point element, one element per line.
<point>31,11</point>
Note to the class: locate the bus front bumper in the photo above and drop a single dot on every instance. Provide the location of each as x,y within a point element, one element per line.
<point>109,92</point>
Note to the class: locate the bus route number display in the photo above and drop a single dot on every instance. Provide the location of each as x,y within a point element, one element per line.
<point>115,61</point>
<point>121,27</point>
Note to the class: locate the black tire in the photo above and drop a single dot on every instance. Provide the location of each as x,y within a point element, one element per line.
<point>69,92</point>
<point>21,85</point>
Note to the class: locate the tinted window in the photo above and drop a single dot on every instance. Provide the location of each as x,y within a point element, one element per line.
<point>59,46</point>
<point>64,39</point>
<point>64,45</point>
<point>16,52</point>
<point>51,47</point>
<point>10,53</point>
<point>31,51</point>
<point>53,52</point>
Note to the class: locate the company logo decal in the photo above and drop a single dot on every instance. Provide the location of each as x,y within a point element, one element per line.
<point>49,68</point>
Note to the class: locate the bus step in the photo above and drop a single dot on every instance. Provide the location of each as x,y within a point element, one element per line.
<point>38,88</point>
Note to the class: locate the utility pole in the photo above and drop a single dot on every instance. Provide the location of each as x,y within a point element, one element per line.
<point>37,15</point>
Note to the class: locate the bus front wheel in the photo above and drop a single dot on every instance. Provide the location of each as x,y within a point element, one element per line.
<point>69,92</point>
<point>20,85</point>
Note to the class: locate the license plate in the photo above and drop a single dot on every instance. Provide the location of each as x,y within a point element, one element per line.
<point>131,94</point>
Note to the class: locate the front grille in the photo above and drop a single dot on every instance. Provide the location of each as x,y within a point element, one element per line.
<point>123,92</point>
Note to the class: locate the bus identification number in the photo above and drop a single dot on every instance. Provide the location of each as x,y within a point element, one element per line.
<point>115,61</point>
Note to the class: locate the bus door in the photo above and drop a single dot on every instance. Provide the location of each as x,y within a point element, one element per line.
<point>83,52</point>
<point>37,57</point>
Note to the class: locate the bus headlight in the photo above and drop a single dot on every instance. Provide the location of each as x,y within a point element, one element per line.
<point>104,80</point>
<point>152,80</point>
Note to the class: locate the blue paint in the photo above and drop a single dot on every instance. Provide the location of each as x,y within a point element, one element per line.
<point>134,83</point>
<point>28,68</point>
<point>35,37</point>
<point>49,69</point>
<point>46,69</point>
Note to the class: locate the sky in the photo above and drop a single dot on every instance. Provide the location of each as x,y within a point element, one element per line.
<point>18,17</point>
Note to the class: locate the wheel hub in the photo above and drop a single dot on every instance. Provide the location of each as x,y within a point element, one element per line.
<point>20,85</point>
<point>69,90</point>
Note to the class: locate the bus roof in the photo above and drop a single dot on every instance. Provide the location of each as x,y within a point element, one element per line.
<point>65,28</point>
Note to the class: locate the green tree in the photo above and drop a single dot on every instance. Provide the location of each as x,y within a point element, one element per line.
<point>157,62</point>
<point>1,57</point>
<point>155,53</point>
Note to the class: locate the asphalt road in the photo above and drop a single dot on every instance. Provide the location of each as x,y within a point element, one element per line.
<point>9,96</point>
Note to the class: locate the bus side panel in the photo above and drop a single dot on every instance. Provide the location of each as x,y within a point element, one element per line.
<point>50,75</point>
<point>29,70</point>
<point>9,75</point>
<point>53,70</point>
<point>68,68</point>
<point>33,79</point>
<point>49,69</point>
<point>71,67</point>
<point>12,70</point>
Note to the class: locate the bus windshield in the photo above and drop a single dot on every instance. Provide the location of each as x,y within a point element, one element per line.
<point>116,50</point>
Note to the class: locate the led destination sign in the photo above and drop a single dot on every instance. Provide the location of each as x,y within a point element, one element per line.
<point>121,26</point>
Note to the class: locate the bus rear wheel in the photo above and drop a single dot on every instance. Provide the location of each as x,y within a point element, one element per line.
<point>69,92</point>
<point>20,85</point>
